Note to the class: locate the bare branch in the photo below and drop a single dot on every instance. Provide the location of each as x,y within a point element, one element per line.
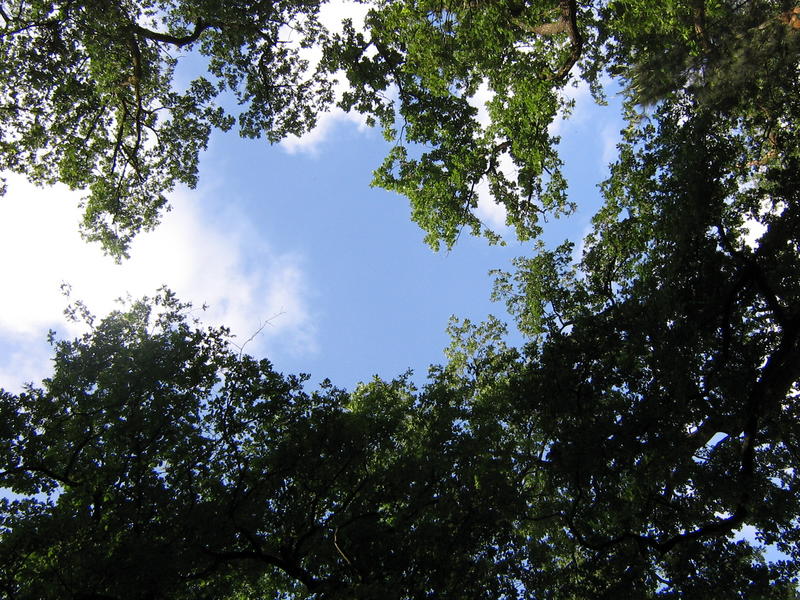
<point>257,331</point>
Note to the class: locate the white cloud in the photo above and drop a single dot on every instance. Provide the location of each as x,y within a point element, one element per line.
<point>754,231</point>
<point>481,98</point>
<point>334,12</point>
<point>211,259</point>
<point>29,361</point>
<point>309,143</point>
<point>490,212</point>
<point>610,136</point>
<point>755,225</point>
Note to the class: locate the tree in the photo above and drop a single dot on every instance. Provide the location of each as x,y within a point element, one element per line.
<point>157,462</point>
<point>666,360</point>
<point>651,417</point>
<point>663,373</point>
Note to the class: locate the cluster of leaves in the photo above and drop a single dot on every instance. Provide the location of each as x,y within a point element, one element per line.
<point>438,56</point>
<point>88,97</point>
<point>650,419</point>
<point>617,455</point>
<point>665,371</point>
<point>157,462</point>
<point>667,361</point>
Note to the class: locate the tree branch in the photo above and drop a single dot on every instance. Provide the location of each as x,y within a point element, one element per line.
<point>176,41</point>
<point>699,15</point>
<point>257,555</point>
<point>566,24</point>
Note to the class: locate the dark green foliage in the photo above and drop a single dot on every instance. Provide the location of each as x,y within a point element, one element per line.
<point>663,372</point>
<point>158,463</point>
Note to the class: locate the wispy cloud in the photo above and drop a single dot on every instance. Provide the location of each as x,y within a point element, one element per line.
<point>480,101</point>
<point>216,260</point>
<point>755,225</point>
<point>310,143</point>
<point>610,135</point>
<point>489,211</point>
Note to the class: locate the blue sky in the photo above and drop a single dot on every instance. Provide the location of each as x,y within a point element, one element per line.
<point>291,234</point>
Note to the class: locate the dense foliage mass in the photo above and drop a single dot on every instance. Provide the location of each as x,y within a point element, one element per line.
<point>651,418</point>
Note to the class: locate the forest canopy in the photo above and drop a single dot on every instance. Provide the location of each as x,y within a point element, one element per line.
<point>649,419</point>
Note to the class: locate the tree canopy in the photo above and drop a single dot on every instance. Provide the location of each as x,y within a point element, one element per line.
<point>89,97</point>
<point>650,418</point>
